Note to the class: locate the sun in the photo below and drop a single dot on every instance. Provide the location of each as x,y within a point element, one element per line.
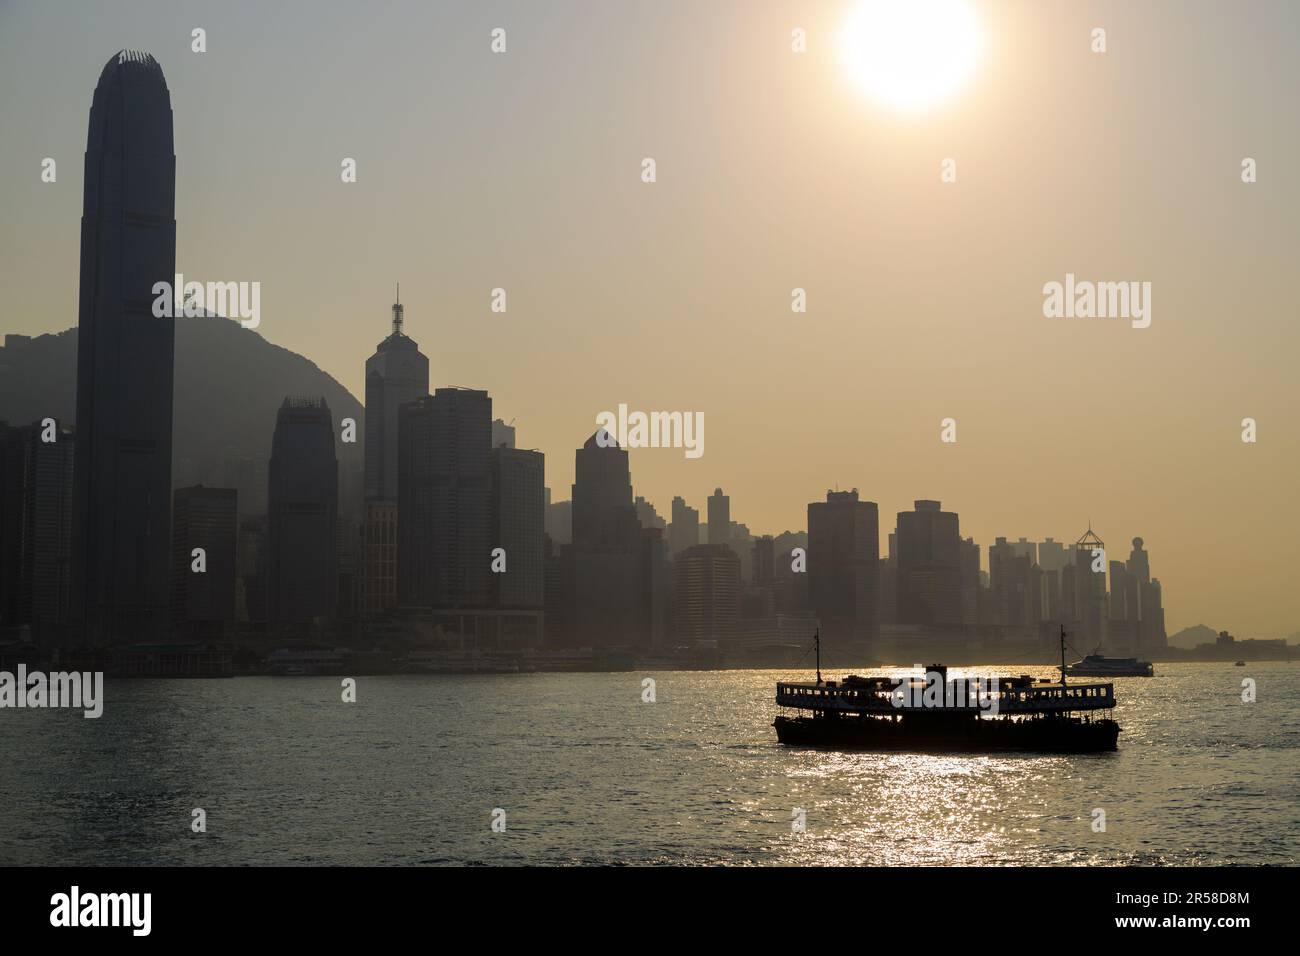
<point>910,54</point>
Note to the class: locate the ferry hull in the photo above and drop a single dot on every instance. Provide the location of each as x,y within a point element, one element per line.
<point>938,735</point>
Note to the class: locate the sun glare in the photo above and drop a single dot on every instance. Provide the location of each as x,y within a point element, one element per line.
<point>910,54</point>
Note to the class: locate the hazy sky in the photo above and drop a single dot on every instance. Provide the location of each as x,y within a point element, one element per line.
<point>925,298</point>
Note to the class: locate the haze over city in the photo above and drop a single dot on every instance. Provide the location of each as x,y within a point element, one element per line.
<point>773,172</point>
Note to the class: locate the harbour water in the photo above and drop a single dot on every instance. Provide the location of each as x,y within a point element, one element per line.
<point>587,772</point>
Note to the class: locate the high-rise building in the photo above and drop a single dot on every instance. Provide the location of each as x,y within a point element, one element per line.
<point>929,566</point>
<point>647,515</point>
<point>203,602</point>
<point>1011,584</point>
<point>719,518</point>
<point>518,526</point>
<point>684,532</point>
<point>379,557</point>
<point>707,604</point>
<point>302,546</point>
<point>603,510</point>
<point>121,550</point>
<point>1051,555</point>
<point>1089,586</point>
<point>844,566</point>
<point>397,373</point>
<point>36,502</point>
<point>603,574</point>
<point>971,592</point>
<point>1144,592</point>
<point>503,435</point>
<point>444,527</point>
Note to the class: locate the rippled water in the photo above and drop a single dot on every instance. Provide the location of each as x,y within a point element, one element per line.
<point>586,772</point>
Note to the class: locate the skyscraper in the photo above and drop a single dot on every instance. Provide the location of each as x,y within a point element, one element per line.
<point>603,510</point>
<point>602,569</point>
<point>36,466</point>
<point>684,532</point>
<point>444,528</point>
<point>203,602</point>
<point>929,566</point>
<point>844,566</point>
<point>397,373</point>
<point>122,487</point>
<point>302,545</point>
<point>503,435</point>
<point>518,525</point>
<point>707,603</point>
<point>719,518</point>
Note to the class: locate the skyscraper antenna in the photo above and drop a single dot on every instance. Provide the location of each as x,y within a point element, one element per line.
<point>398,314</point>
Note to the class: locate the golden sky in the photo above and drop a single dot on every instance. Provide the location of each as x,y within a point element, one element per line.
<point>522,170</point>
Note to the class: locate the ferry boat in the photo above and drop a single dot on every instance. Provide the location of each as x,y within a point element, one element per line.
<point>889,714</point>
<point>1095,665</point>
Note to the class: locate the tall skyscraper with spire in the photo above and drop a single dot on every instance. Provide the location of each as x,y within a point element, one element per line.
<point>122,471</point>
<point>396,374</point>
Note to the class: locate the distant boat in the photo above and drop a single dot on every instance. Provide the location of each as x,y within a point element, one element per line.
<point>1096,665</point>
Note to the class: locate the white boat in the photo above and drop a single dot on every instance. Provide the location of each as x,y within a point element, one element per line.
<point>1095,665</point>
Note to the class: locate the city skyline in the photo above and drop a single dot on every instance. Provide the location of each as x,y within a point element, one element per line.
<point>1137,430</point>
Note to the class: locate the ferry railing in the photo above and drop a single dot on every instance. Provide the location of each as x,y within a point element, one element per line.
<point>1051,698</point>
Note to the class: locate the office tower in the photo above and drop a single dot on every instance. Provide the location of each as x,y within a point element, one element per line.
<point>1024,548</point>
<point>970,582</point>
<point>379,557</point>
<point>397,373</point>
<point>707,586</point>
<point>1053,608</point>
<point>518,527</point>
<point>252,559</point>
<point>13,454</point>
<point>554,623</point>
<point>929,566</point>
<point>503,435</point>
<point>719,518</point>
<point>647,515</point>
<point>1145,593</point>
<point>603,576</point>
<point>444,528</point>
<point>684,532</point>
<point>764,560</point>
<point>122,486</point>
<point>654,591</point>
<point>1089,584</point>
<point>203,602</point>
<point>1051,555</point>
<point>603,510</point>
<point>844,566</point>
<point>36,505</point>
<point>302,565</point>
<point>1011,584</point>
